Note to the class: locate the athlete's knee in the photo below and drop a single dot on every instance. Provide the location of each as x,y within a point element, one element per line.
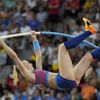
<point>62,46</point>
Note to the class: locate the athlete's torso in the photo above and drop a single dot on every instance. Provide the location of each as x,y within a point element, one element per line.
<point>53,80</point>
<point>46,78</point>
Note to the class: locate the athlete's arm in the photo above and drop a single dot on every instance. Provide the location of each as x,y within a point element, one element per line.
<point>25,73</point>
<point>37,51</point>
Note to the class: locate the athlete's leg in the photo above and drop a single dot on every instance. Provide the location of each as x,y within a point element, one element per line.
<point>89,29</point>
<point>64,61</point>
<point>83,65</point>
<point>81,68</point>
<point>88,73</point>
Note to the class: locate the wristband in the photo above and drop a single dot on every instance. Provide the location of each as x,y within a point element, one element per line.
<point>36,45</point>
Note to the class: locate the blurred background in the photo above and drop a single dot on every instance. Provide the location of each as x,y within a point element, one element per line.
<point>47,15</point>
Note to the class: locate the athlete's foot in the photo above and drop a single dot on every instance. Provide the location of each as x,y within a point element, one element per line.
<point>89,26</point>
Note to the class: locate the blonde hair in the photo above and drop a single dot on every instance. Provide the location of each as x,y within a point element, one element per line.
<point>15,75</point>
<point>18,79</point>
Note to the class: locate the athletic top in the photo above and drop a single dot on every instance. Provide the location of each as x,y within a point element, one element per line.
<point>41,77</point>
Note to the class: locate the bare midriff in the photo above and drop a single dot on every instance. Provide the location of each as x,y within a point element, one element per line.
<point>51,80</point>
